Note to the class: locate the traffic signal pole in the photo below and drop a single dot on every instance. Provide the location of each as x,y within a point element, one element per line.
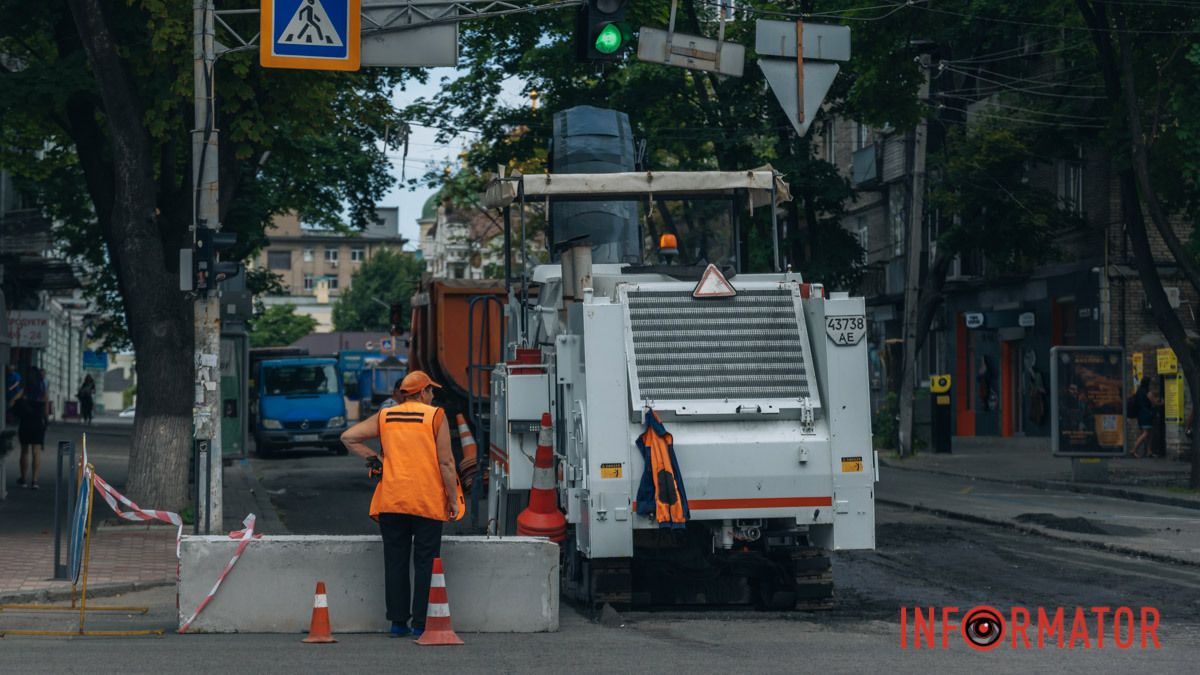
<point>205,214</point>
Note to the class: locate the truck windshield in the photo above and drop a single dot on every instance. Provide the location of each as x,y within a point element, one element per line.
<point>300,379</point>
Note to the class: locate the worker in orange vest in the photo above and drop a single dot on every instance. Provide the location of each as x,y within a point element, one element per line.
<point>418,491</point>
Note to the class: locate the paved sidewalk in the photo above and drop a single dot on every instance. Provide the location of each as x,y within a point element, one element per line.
<point>1029,462</point>
<point>124,556</point>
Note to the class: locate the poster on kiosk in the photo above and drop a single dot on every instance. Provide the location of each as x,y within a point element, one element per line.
<point>1088,402</point>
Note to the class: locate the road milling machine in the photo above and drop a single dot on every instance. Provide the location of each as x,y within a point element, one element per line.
<point>760,380</point>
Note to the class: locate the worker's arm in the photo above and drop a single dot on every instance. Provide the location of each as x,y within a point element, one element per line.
<point>355,436</point>
<point>449,475</point>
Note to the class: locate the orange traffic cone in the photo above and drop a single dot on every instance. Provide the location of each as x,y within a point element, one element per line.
<point>542,518</point>
<point>470,456</point>
<point>318,630</point>
<point>438,630</point>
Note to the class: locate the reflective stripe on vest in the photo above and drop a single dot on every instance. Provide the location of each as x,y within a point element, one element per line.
<point>412,479</point>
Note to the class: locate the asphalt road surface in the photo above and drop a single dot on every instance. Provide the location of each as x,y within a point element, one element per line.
<point>921,560</point>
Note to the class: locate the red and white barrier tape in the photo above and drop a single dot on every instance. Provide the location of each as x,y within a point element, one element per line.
<point>135,512</point>
<point>247,535</point>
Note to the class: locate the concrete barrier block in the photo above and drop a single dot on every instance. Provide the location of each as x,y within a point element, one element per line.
<point>495,584</point>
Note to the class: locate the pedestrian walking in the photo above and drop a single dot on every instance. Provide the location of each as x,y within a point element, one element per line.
<point>417,492</point>
<point>32,418</point>
<point>1144,402</point>
<point>86,396</point>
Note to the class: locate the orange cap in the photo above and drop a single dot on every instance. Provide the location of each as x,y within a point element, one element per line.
<point>416,381</point>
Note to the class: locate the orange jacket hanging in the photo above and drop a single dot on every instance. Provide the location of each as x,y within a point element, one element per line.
<point>661,494</point>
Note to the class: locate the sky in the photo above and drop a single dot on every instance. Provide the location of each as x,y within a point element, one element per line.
<point>423,150</point>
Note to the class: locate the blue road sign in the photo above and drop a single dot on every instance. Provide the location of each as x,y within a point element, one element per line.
<point>310,34</point>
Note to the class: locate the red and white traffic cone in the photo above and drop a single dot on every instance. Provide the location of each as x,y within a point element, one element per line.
<point>438,629</point>
<point>542,518</point>
<point>319,631</point>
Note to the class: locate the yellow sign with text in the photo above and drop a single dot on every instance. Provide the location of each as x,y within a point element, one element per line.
<point>610,470</point>
<point>1139,366</point>
<point>852,464</point>
<point>1167,363</point>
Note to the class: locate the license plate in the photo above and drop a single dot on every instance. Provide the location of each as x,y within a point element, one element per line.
<point>307,437</point>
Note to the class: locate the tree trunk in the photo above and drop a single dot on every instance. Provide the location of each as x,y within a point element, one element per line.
<point>159,316</point>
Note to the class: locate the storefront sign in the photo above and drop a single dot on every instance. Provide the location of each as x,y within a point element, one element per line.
<point>973,319</point>
<point>1026,320</point>
<point>95,360</point>
<point>29,329</point>
<point>1139,368</point>
<point>1088,402</point>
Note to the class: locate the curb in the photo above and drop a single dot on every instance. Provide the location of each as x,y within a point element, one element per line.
<point>96,591</point>
<point>1043,532</point>
<point>1099,490</point>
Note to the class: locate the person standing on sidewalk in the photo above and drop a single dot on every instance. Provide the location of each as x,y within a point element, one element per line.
<point>417,493</point>
<point>86,396</point>
<point>32,418</point>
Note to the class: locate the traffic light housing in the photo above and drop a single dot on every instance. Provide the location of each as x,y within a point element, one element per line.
<point>396,318</point>
<point>601,33</point>
<point>208,269</point>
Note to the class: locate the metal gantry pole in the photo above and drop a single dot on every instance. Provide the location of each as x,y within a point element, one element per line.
<point>205,214</point>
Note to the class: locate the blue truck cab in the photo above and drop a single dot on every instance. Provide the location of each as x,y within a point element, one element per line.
<point>299,404</point>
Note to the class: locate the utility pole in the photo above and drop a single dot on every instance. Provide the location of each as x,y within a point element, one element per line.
<point>912,286</point>
<point>205,409</point>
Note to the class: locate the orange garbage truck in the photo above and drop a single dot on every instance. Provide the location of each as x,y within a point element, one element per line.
<point>457,332</point>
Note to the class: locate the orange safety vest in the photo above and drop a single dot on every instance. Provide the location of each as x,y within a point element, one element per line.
<point>412,478</point>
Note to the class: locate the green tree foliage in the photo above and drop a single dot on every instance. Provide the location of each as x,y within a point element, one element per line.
<point>280,326</point>
<point>97,110</point>
<point>389,277</point>
<point>689,120</point>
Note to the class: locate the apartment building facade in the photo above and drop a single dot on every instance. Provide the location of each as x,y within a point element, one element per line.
<point>317,265</point>
<point>994,331</point>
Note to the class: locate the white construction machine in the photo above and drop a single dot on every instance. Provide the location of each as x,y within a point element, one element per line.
<point>761,379</point>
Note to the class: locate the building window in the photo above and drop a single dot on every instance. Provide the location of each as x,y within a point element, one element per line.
<point>279,260</point>
<point>333,283</point>
<point>331,255</point>
<point>309,283</point>
<point>357,254</point>
<point>831,142</point>
<point>308,255</point>
<point>1070,184</point>
<point>860,135</point>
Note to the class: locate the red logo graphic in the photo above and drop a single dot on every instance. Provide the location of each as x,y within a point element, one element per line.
<point>984,628</point>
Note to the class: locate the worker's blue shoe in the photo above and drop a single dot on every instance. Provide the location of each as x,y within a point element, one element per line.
<point>418,632</point>
<point>399,629</point>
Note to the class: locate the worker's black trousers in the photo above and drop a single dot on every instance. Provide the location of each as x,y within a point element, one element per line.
<point>404,536</point>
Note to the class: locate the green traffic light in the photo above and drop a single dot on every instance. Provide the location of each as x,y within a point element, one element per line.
<point>610,39</point>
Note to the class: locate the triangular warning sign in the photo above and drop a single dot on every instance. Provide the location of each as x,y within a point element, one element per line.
<point>310,25</point>
<point>713,285</point>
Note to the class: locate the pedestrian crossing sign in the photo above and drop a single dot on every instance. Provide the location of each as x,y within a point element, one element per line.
<point>310,34</point>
